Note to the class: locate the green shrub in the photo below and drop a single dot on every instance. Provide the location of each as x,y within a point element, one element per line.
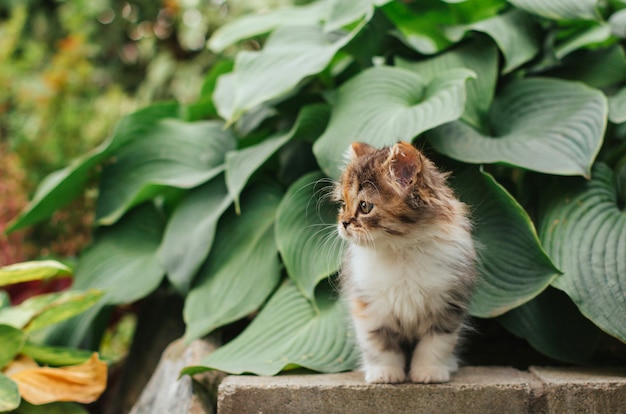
<point>22,350</point>
<point>223,198</point>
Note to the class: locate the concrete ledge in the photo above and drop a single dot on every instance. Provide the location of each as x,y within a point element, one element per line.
<point>472,390</point>
<point>582,390</point>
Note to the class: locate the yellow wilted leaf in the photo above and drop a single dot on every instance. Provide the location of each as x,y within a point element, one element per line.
<point>82,383</point>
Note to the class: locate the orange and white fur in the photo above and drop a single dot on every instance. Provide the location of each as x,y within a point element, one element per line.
<point>409,266</point>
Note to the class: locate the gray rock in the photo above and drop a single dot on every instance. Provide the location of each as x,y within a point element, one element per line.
<point>166,393</point>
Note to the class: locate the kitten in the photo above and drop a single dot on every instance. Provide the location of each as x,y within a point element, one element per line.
<point>409,266</point>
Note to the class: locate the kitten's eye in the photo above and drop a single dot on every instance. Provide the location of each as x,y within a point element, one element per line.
<point>365,207</point>
<point>342,204</point>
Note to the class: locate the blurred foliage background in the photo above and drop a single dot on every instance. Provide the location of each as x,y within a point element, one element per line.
<point>68,71</point>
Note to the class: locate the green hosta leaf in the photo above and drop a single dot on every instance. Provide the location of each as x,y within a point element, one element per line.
<point>305,232</point>
<point>584,231</point>
<point>597,33</point>
<point>9,394</point>
<point>51,408</point>
<point>290,331</point>
<point>5,300</point>
<point>60,187</point>
<point>515,33</point>
<point>35,270</point>
<point>420,30</point>
<point>481,57</point>
<point>55,356</point>
<point>242,268</point>
<point>190,231</point>
<point>290,54</point>
<point>601,68</point>
<point>385,104</point>
<point>513,266</point>
<point>545,125</point>
<point>123,262</point>
<point>560,9</point>
<point>241,164</point>
<point>617,22</point>
<point>171,154</point>
<point>123,259</point>
<point>342,13</point>
<point>83,331</point>
<point>204,108</point>
<point>553,326</point>
<point>251,120</point>
<point>617,107</point>
<point>61,310</point>
<point>12,340</point>
<point>48,309</point>
<point>257,24</point>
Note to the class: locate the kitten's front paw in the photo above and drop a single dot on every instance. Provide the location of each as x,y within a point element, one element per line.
<point>430,374</point>
<point>385,375</point>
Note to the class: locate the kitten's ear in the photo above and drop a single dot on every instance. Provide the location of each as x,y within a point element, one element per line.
<point>358,149</point>
<point>405,162</point>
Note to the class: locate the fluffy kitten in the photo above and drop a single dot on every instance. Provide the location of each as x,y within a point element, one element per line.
<point>409,266</point>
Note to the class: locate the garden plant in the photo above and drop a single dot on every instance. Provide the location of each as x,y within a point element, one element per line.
<point>225,200</point>
<point>31,372</point>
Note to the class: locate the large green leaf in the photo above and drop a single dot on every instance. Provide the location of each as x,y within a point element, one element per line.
<point>9,394</point>
<point>190,232</point>
<point>290,331</point>
<point>241,164</point>
<point>552,325</point>
<point>513,267</point>
<point>123,260</point>
<point>560,9</point>
<point>422,25</point>
<point>545,125</point>
<point>51,408</point>
<point>12,340</point>
<point>257,24</point>
<point>55,356</point>
<point>617,21</point>
<point>421,30</point>
<point>242,268</point>
<point>617,107</point>
<point>290,54</point>
<point>385,104</point>
<point>341,13</point>
<point>599,68</point>
<point>60,187</point>
<point>481,57</point>
<point>61,310</point>
<point>34,270</point>
<point>515,33</point>
<point>584,230</point>
<point>5,299</point>
<point>598,32</point>
<point>47,309</point>
<point>305,232</point>
<point>171,154</point>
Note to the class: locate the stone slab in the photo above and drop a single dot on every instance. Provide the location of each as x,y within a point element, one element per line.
<point>472,390</point>
<point>581,390</point>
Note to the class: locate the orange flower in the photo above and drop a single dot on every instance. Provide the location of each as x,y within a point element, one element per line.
<point>82,383</point>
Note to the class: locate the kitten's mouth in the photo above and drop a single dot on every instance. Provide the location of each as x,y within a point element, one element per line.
<point>353,235</point>
<point>346,232</point>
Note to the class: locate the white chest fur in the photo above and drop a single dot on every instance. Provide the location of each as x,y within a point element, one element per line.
<point>405,285</point>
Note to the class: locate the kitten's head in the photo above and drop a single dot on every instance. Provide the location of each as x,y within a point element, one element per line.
<point>388,193</point>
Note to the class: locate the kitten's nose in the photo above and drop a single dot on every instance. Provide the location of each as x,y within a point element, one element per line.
<point>345,224</point>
